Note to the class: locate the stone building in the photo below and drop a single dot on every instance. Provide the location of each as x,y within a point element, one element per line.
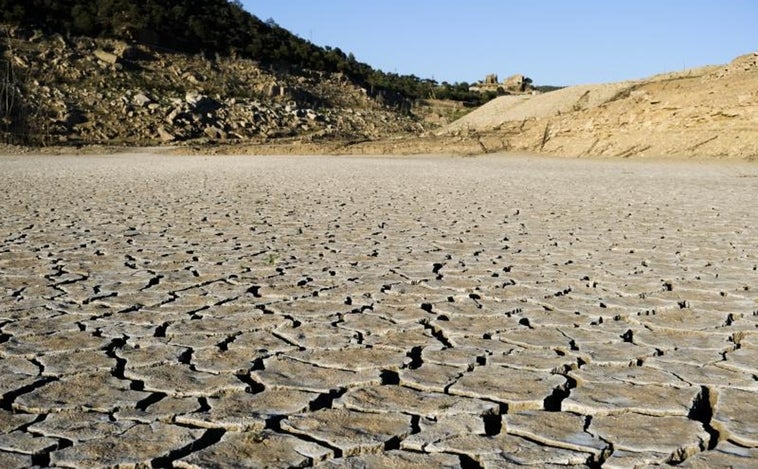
<point>515,84</point>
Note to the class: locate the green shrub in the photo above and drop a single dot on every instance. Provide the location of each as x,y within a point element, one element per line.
<point>217,27</point>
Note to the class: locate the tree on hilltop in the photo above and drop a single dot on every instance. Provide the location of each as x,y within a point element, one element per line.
<point>211,27</point>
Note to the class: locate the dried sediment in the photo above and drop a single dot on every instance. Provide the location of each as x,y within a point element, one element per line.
<point>343,312</point>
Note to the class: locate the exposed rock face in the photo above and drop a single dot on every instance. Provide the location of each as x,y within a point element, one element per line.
<point>106,92</point>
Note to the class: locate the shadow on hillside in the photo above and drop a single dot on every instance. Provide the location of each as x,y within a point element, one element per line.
<point>19,124</point>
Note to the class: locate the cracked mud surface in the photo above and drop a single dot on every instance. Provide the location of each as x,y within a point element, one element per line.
<point>377,312</point>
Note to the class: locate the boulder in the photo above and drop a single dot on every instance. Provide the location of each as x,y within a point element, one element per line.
<point>106,57</point>
<point>215,133</point>
<point>192,78</point>
<point>173,115</point>
<point>141,100</point>
<point>165,135</point>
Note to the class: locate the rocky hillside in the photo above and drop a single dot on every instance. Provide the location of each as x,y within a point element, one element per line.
<point>104,91</point>
<point>69,90</point>
<point>711,111</point>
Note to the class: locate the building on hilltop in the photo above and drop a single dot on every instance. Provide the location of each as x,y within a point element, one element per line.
<point>515,84</point>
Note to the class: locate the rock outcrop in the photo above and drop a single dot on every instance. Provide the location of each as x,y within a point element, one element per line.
<point>85,91</point>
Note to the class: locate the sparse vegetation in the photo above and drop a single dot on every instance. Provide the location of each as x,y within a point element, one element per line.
<point>9,97</point>
<point>18,124</point>
<point>81,90</point>
<point>55,87</point>
<point>224,28</point>
<point>461,92</point>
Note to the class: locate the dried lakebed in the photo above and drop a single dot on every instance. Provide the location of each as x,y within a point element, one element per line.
<point>332,312</point>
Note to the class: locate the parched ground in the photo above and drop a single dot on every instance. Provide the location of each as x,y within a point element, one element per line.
<point>493,311</point>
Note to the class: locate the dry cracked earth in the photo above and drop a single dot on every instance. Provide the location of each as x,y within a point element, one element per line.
<point>191,312</point>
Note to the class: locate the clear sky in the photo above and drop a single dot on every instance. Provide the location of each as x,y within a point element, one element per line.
<point>555,42</point>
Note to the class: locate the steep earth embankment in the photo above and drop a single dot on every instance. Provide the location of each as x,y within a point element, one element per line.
<point>711,111</point>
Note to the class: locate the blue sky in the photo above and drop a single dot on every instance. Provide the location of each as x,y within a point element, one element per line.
<point>556,42</point>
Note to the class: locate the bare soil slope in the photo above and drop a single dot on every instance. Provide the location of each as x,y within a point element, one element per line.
<point>711,111</point>
<point>521,107</point>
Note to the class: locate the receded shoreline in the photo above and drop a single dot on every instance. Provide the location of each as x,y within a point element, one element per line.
<point>337,310</point>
